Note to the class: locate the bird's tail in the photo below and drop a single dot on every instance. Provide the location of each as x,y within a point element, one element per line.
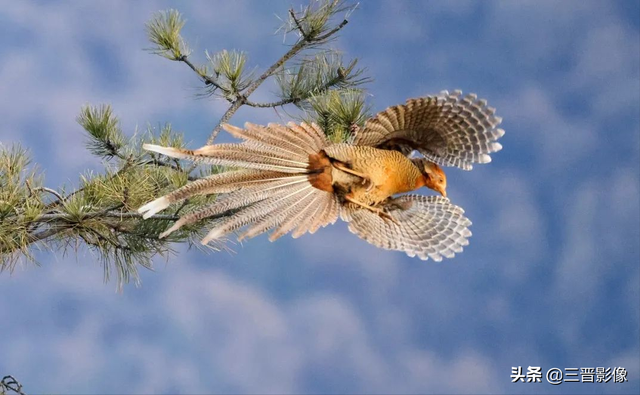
<point>277,185</point>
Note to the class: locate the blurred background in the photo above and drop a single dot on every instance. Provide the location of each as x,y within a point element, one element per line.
<point>550,278</point>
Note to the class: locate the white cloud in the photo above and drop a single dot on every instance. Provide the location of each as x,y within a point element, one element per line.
<point>200,331</point>
<point>509,222</point>
<point>153,369</point>
<point>600,223</point>
<point>606,52</point>
<point>247,334</point>
<point>469,373</point>
<point>600,231</point>
<point>558,141</point>
<point>578,260</point>
<point>542,31</point>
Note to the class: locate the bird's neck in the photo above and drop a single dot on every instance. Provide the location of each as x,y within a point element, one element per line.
<point>421,181</point>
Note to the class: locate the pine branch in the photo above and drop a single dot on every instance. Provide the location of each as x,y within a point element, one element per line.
<point>337,112</point>
<point>242,98</point>
<point>164,31</point>
<point>100,213</point>
<point>308,40</point>
<point>227,80</point>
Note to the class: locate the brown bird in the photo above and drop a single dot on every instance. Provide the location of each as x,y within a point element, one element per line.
<point>292,179</point>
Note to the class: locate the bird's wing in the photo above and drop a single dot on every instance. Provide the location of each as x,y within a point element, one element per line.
<point>424,226</point>
<point>448,129</point>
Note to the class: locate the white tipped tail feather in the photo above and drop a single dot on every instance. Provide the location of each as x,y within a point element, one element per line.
<point>272,191</point>
<point>168,151</point>
<point>172,229</point>
<point>154,207</point>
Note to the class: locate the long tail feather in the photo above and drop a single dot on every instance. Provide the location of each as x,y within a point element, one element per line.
<point>168,151</point>
<point>280,137</point>
<point>308,219</point>
<point>276,187</point>
<point>285,214</point>
<point>234,201</point>
<point>233,155</point>
<point>217,183</point>
<point>306,205</point>
<point>305,139</point>
<point>259,136</point>
<point>253,213</point>
<point>327,216</point>
<point>313,131</point>
<point>299,139</point>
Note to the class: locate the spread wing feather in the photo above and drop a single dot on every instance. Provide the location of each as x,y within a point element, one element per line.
<point>448,129</point>
<point>424,226</point>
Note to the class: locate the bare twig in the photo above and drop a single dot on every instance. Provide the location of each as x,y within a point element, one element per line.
<point>294,100</point>
<point>332,31</point>
<point>51,191</point>
<point>230,97</point>
<point>45,234</point>
<point>225,118</point>
<point>240,100</point>
<point>205,78</point>
<point>104,214</point>
<point>182,206</point>
<point>10,384</point>
<point>292,14</point>
<point>161,163</point>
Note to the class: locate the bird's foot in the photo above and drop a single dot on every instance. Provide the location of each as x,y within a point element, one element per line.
<point>343,167</point>
<point>381,212</point>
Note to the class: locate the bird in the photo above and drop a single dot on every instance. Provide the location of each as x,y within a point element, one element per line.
<point>292,179</point>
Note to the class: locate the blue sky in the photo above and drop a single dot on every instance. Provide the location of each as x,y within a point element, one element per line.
<point>550,278</point>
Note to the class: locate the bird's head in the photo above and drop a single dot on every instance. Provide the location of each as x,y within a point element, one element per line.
<point>434,176</point>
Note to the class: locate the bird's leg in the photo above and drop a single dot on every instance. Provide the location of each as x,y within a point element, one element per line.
<point>376,210</point>
<point>341,166</point>
<point>365,178</point>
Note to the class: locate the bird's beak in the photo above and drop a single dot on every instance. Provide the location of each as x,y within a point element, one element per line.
<point>442,191</point>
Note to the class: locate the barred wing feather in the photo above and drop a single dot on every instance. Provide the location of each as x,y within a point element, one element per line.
<point>448,129</point>
<point>424,226</point>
